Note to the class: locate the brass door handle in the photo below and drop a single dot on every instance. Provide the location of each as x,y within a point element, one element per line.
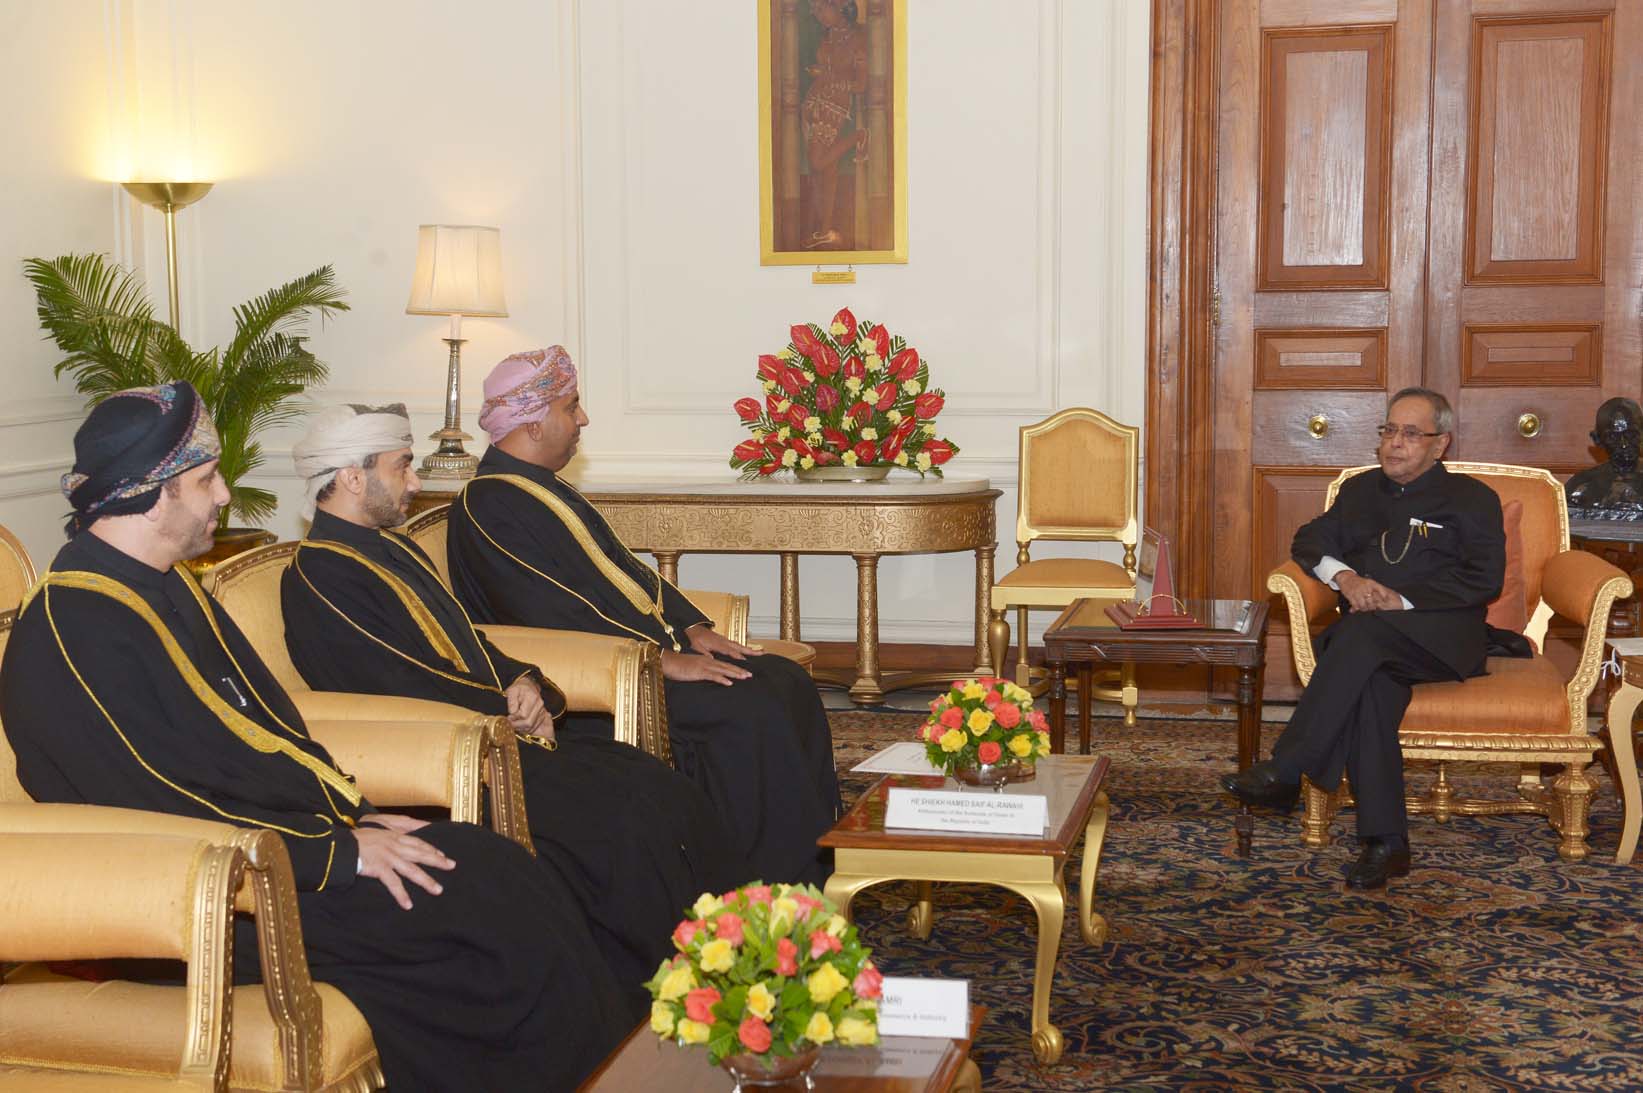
<point>1528,426</point>
<point>1318,426</point>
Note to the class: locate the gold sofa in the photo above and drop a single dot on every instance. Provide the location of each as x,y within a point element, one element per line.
<point>1524,711</point>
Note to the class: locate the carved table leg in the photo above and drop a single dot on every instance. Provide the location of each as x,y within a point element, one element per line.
<point>921,916</point>
<point>1086,684</point>
<point>667,564</point>
<point>868,687</point>
<point>1051,907</point>
<point>1058,706</point>
<point>1249,742</point>
<point>985,661</point>
<point>1092,925</point>
<point>790,597</point>
<point>1128,692</point>
<point>1621,709</point>
<point>998,643</point>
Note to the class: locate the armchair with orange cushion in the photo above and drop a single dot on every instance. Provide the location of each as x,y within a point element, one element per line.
<point>1524,711</point>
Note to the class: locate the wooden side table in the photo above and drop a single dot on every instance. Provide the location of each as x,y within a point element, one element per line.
<point>1622,706</point>
<point>865,854</point>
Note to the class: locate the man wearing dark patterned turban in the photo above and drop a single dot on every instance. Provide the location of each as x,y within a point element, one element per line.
<point>125,684</point>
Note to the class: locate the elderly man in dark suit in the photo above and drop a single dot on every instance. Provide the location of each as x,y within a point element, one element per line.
<point>1417,554</point>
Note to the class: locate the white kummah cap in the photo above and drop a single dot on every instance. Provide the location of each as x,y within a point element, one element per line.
<point>345,436</point>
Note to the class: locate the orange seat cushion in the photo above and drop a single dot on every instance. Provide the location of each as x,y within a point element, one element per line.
<point>1068,573</point>
<point>1517,696</point>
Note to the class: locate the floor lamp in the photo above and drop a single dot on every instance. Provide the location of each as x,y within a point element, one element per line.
<point>168,197</point>
<point>458,272</point>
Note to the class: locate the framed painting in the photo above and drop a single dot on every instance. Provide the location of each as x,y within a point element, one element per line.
<point>832,132</point>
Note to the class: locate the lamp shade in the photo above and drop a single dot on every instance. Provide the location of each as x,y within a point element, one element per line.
<point>458,271</point>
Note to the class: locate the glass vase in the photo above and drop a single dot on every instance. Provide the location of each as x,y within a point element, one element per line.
<point>774,1071</point>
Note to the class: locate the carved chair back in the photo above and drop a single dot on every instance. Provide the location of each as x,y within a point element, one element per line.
<point>248,587</point>
<point>1079,471</point>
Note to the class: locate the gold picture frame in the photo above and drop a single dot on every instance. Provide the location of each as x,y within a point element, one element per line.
<point>825,67</point>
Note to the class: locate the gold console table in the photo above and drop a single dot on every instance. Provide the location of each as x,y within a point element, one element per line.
<point>863,520</point>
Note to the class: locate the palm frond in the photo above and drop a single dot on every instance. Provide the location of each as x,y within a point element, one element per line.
<point>253,504</point>
<point>283,310</point>
<point>99,315</point>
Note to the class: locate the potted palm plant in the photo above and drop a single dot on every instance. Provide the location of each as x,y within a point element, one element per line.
<point>99,314</point>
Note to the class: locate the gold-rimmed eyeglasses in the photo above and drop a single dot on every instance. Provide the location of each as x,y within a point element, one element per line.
<point>1409,433</point>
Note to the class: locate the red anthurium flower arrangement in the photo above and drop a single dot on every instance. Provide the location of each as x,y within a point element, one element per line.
<point>850,395</point>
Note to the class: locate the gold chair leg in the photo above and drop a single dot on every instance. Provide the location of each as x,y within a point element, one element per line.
<point>998,640</point>
<point>921,915</point>
<point>1023,671</point>
<point>1573,791</point>
<point>1129,693</point>
<point>1315,822</point>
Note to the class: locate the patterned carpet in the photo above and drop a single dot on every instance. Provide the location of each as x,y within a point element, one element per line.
<point>1493,966</point>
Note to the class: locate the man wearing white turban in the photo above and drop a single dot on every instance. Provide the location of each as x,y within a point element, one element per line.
<point>365,611</point>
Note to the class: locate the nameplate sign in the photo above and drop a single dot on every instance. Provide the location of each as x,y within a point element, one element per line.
<point>984,812</point>
<point>925,1007</point>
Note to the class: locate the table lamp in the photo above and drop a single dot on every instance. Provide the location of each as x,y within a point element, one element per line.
<point>458,272</point>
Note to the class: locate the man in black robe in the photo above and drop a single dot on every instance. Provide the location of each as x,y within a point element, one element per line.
<point>365,611</point>
<point>526,548</point>
<point>124,684</point>
<point>1417,555</point>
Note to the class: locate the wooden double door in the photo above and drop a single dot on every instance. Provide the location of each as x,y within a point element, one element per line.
<point>1394,192</point>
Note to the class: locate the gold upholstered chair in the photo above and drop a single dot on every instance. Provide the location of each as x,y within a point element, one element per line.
<point>16,571</point>
<point>1078,483</point>
<point>1525,711</point>
<point>83,882</point>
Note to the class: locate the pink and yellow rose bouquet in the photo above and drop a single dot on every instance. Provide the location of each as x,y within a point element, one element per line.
<point>984,722</point>
<point>851,395</point>
<point>768,971</point>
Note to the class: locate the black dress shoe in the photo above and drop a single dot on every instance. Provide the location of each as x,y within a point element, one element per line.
<point>1375,863</point>
<point>1262,786</point>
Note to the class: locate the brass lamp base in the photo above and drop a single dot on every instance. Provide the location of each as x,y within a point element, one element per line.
<point>449,460</point>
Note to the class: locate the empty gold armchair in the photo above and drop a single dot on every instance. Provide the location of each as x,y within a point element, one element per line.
<point>88,883</point>
<point>1525,711</point>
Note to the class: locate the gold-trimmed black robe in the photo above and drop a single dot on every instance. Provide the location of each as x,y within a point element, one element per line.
<point>636,841</point>
<point>526,548</point>
<point>129,687</point>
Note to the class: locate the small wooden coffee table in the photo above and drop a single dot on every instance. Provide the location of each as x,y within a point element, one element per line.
<point>898,1064</point>
<point>865,854</point>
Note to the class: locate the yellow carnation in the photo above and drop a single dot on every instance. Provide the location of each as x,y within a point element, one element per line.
<point>1021,745</point>
<point>980,721</point>
<point>1015,694</point>
<point>853,385</point>
<point>782,913</point>
<point>923,461</point>
<point>973,689</point>
<point>820,1028</point>
<point>788,354</point>
<point>874,362</point>
<point>930,429</point>
<point>869,433</point>
<point>857,1031</point>
<point>783,433</point>
<point>824,983</point>
<point>760,1002</point>
<point>894,416</point>
<point>718,955</point>
<point>837,329</point>
<point>1043,744</point>
<point>809,376</point>
<point>661,1019</point>
<point>953,740</point>
<point>677,983</point>
<point>836,925</point>
<point>807,462</point>
<point>849,459</point>
<point>769,386</point>
<point>782,406</point>
<point>693,1032</point>
<point>790,457</point>
<point>812,423</point>
<point>901,458</point>
<point>912,387</point>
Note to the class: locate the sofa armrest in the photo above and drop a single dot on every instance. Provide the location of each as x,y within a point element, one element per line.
<point>598,674</point>
<point>726,610</point>
<point>1582,588</point>
<point>1309,601</point>
<point>344,706</point>
<point>407,764</point>
<point>265,888</point>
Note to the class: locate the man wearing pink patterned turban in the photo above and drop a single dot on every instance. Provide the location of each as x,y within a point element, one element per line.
<point>526,548</point>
